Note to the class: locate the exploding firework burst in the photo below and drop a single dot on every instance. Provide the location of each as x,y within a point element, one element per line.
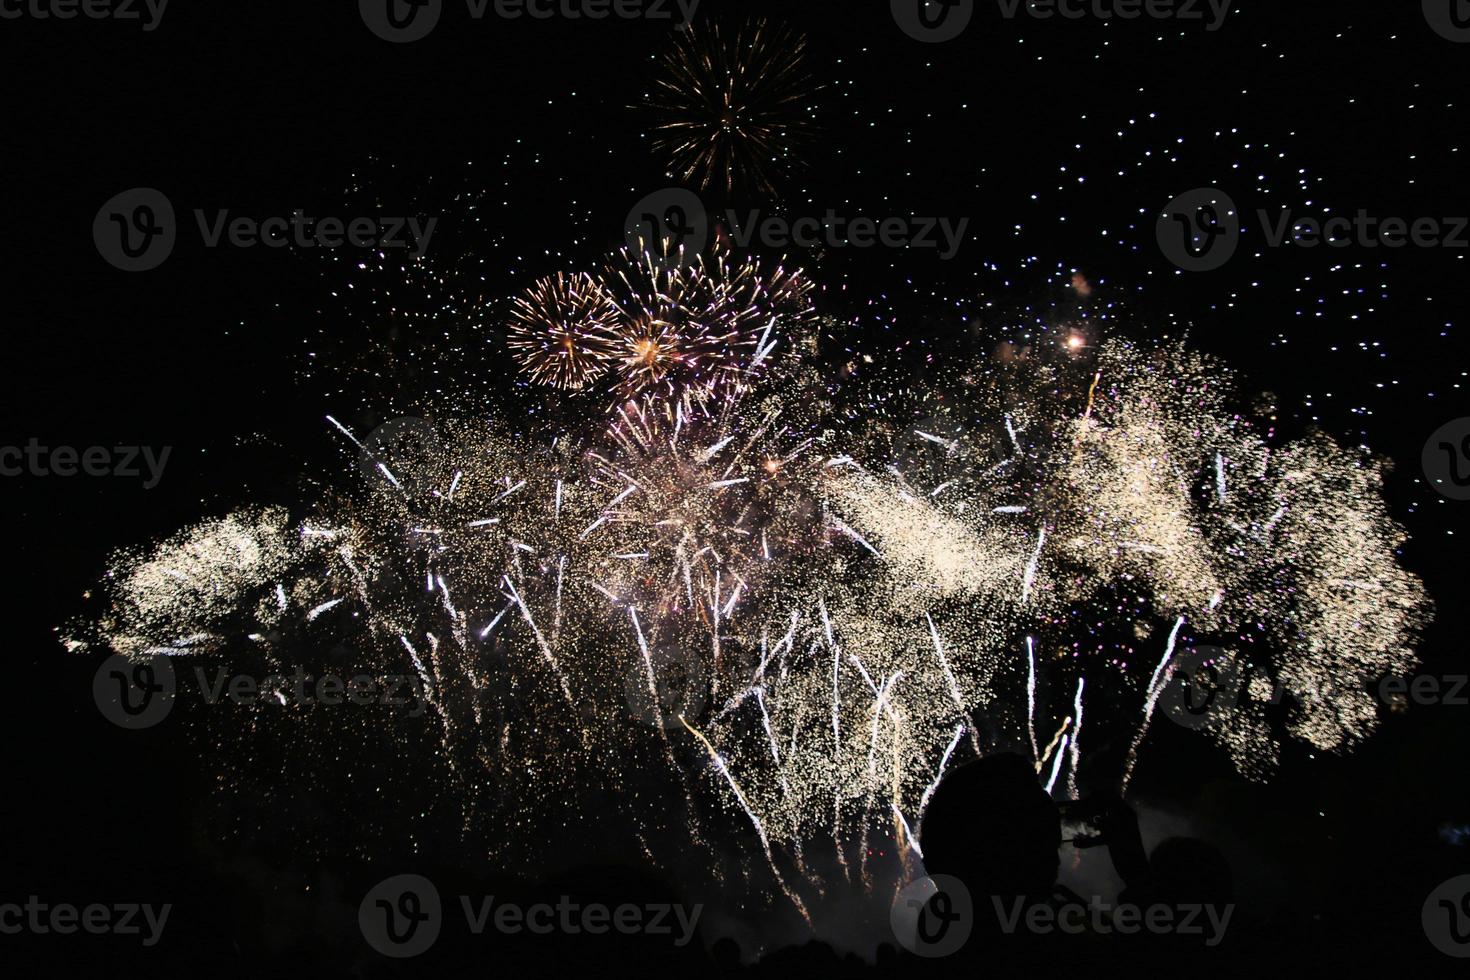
<point>847,618</point>
<point>732,105</point>
<point>563,331</point>
<point>690,332</point>
<point>673,335</point>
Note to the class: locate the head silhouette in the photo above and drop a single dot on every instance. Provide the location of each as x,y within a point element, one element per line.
<point>992,826</point>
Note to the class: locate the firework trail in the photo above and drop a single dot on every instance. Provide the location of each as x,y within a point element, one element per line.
<point>922,586</point>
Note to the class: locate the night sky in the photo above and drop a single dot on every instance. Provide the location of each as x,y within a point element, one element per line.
<point>1059,141</point>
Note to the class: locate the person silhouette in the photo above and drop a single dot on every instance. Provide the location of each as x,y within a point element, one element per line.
<point>991,826</point>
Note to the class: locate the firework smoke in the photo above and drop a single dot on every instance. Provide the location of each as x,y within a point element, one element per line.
<point>844,607</point>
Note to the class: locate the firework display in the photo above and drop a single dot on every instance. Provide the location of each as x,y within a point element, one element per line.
<point>878,483</point>
<point>802,602</point>
<point>731,104</point>
<point>562,331</point>
<point>671,334</point>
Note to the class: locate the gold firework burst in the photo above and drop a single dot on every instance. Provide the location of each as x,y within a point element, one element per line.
<point>688,332</point>
<point>732,106</point>
<point>562,331</point>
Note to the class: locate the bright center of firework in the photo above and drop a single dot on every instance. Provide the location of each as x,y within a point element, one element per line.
<point>646,351</point>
